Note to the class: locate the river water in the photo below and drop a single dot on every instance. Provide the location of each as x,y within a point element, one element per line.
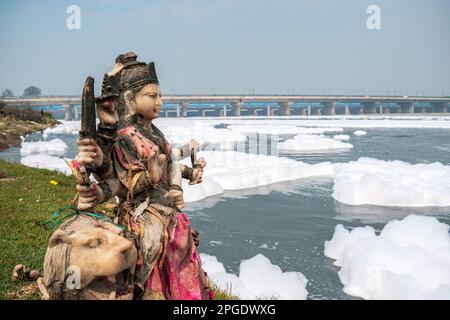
<point>288,222</point>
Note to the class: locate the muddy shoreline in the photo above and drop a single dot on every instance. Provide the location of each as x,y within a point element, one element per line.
<point>11,129</point>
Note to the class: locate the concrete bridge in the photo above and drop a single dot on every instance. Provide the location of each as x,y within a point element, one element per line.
<point>282,104</point>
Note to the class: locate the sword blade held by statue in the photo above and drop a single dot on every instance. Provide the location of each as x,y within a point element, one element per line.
<point>88,129</point>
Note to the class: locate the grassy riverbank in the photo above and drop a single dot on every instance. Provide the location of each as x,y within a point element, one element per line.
<point>27,198</point>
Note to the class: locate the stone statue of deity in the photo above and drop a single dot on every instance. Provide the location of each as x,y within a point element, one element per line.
<point>134,163</point>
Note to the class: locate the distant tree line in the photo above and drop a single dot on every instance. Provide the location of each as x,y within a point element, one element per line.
<point>29,92</point>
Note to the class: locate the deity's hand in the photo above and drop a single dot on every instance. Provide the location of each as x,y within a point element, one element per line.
<point>89,153</point>
<point>107,111</point>
<point>177,197</point>
<point>88,196</point>
<point>201,163</point>
<point>197,175</point>
<point>197,172</point>
<point>155,164</point>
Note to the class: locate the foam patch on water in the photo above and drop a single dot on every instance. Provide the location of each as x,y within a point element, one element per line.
<point>280,129</point>
<point>43,161</point>
<point>391,183</point>
<point>360,133</point>
<point>66,127</point>
<point>409,259</point>
<point>312,143</point>
<point>232,170</point>
<point>55,147</point>
<point>181,133</point>
<point>258,279</point>
<point>341,137</point>
<point>353,121</point>
<point>366,181</point>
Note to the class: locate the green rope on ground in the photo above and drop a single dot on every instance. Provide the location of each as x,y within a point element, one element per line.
<point>51,225</point>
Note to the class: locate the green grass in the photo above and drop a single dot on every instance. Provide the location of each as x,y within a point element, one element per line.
<point>27,198</point>
<point>220,294</point>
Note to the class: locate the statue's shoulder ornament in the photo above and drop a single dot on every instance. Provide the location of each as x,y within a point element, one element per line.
<point>142,145</point>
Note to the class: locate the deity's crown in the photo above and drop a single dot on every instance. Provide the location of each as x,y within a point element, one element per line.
<point>128,73</point>
<point>136,74</point>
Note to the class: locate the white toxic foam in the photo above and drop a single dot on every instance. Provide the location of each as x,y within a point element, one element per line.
<point>43,161</point>
<point>55,147</point>
<point>182,132</point>
<point>409,259</point>
<point>66,127</point>
<point>360,133</point>
<point>341,137</point>
<point>312,143</point>
<point>232,170</point>
<point>391,183</point>
<point>258,279</point>
<point>366,181</point>
<point>276,128</point>
<point>353,121</point>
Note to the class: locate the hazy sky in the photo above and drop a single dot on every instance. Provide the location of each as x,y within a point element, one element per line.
<point>226,46</point>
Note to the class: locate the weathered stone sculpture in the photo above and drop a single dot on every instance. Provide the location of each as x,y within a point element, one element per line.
<point>133,162</point>
<point>89,259</point>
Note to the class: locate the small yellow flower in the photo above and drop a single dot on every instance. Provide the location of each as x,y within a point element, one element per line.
<point>53,182</point>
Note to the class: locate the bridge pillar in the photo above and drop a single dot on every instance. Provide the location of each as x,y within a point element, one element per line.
<point>369,107</point>
<point>440,107</point>
<point>224,110</point>
<point>286,108</point>
<point>309,109</point>
<point>184,106</point>
<point>236,108</point>
<point>347,110</point>
<point>166,113</point>
<point>407,107</point>
<point>268,113</point>
<point>329,108</point>
<point>68,112</point>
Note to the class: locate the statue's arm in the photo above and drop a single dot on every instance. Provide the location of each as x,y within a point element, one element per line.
<point>185,150</point>
<point>181,152</point>
<point>175,172</point>
<point>106,137</point>
<point>186,172</point>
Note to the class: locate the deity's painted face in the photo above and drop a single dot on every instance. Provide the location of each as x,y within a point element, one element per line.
<point>147,102</point>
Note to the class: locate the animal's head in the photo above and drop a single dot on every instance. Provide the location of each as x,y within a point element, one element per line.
<point>93,248</point>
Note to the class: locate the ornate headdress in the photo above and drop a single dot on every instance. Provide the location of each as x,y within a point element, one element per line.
<point>127,74</point>
<point>136,74</point>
